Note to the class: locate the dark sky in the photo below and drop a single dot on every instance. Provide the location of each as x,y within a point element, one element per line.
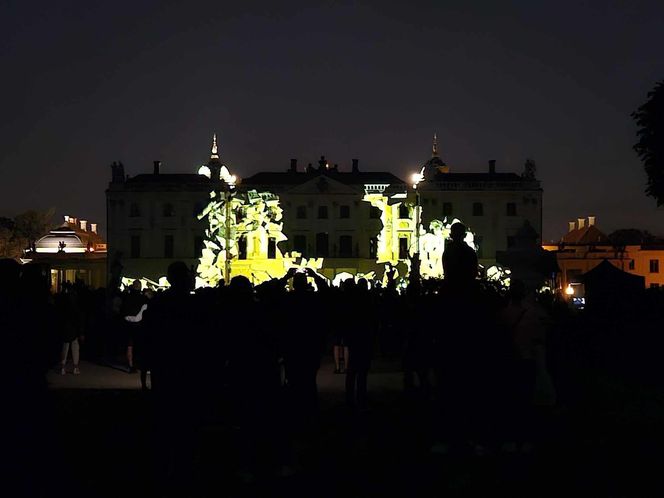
<point>82,85</point>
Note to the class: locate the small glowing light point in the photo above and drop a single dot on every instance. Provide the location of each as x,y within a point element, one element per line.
<point>215,152</point>
<point>569,290</point>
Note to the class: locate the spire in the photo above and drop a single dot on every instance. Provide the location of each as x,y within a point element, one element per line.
<point>434,148</point>
<point>214,154</point>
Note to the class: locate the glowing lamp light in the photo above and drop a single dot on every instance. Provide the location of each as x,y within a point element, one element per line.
<point>569,290</point>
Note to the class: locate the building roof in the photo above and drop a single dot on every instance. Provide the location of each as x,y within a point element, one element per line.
<point>175,178</point>
<point>296,178</point>
<point>588,235</point>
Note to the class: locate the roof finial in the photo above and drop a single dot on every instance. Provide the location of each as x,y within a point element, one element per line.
<point>434,148</point>
<point>214,154</point>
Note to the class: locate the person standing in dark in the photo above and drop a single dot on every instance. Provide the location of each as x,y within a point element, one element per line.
<point>172,321</point>
<point>131,306</point>
<point>360,327</point>
<point>459,260</point>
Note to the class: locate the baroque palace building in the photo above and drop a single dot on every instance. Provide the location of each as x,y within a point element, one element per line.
<point>152,218</point>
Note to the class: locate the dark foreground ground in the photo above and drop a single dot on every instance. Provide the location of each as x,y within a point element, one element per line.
<point>607,442</point>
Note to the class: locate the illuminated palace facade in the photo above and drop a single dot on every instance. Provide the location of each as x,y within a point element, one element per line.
<point>152,218</point>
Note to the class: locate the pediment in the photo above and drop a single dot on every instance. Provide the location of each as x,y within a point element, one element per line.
<point>323,185</point>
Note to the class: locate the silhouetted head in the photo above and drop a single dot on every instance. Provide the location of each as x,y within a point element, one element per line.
<point>240,285</point>
<point>362,285</point>
<point>300,282</point>
<point>136,285</point>
<point>458,232</point>
<point>178,276</point>
<point>348,285</point>
<point>517,290</point>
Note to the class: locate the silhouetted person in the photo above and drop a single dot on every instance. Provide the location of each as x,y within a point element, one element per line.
<point>459,260</point>
<point>70,318</point>
<point>132,302</point>
<point>172,322</point>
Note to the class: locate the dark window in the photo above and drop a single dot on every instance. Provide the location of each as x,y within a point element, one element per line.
<point>300,244</point>
<point>168,210</point>
<point>373,247</point>
<point>344,211</point>
<point>654,286</point>
<point>301,213</point>
<point>345,246</point>
<point>134,210</point>
<point>403,212</point>
<point>239,216</point>
<point>403,248</point>
<point>478,209</point>
<point>511,209</point>
<point>511,241</point>
<point>271,248</point>
<point>448,210</point>
<point>242,247</point>
<point>478,245</point>
<point>135,246</point>
<point>374,212</point>
<point>631,264</point>
<point>168,246</point>
<point>198,246</point>
<point>654,266</point>
<point>322,212</point>
<point>198,208</point>
<point>322,245</point>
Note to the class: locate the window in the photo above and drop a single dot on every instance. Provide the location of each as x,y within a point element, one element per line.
<point>301,213</point>
<point>168,246</point>
<point>322,212</point>
<point>344,211</point>
<point>134,210</point>
<point>654,266</point>
<point>403,212</point>
<point>346,246</point>
<point>511,209</point>
<point>322,245</point>
<point>300,244</point>
<point>448,210</point>
<point>198,246</point>
<point>478,209</point>
<point>374,212</point>
<point>403,248</point>
<point>479,245</point>
<point>167,210</point>
<point>242,247</point>
<point>654,286</point>
<point>135,243</point>
<point>239,215</point>
<point>631,264</point>
<point>271,248</point>
<point>511,241</point>
<point>373,247</point>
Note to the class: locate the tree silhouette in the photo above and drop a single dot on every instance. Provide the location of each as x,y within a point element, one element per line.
<point>649,118</point>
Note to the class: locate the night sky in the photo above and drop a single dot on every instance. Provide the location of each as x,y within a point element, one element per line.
<point>83,85</point>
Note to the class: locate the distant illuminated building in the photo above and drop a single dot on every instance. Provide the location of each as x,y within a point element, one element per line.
<point>74,251</point>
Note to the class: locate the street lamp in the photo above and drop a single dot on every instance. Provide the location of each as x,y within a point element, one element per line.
<point>416,178</point>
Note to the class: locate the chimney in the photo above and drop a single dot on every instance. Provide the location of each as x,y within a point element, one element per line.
<point>93,227</point>
<point>356,168</point>
<point>581,222</point>
<point>293,166</point>
<point>84,225</point>
<point>571,226</point>
<point>156,165</point>
<point>591,220</point>
<point>492,166</point>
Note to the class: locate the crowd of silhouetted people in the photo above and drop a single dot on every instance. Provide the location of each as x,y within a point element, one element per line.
<point>251,354</point>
